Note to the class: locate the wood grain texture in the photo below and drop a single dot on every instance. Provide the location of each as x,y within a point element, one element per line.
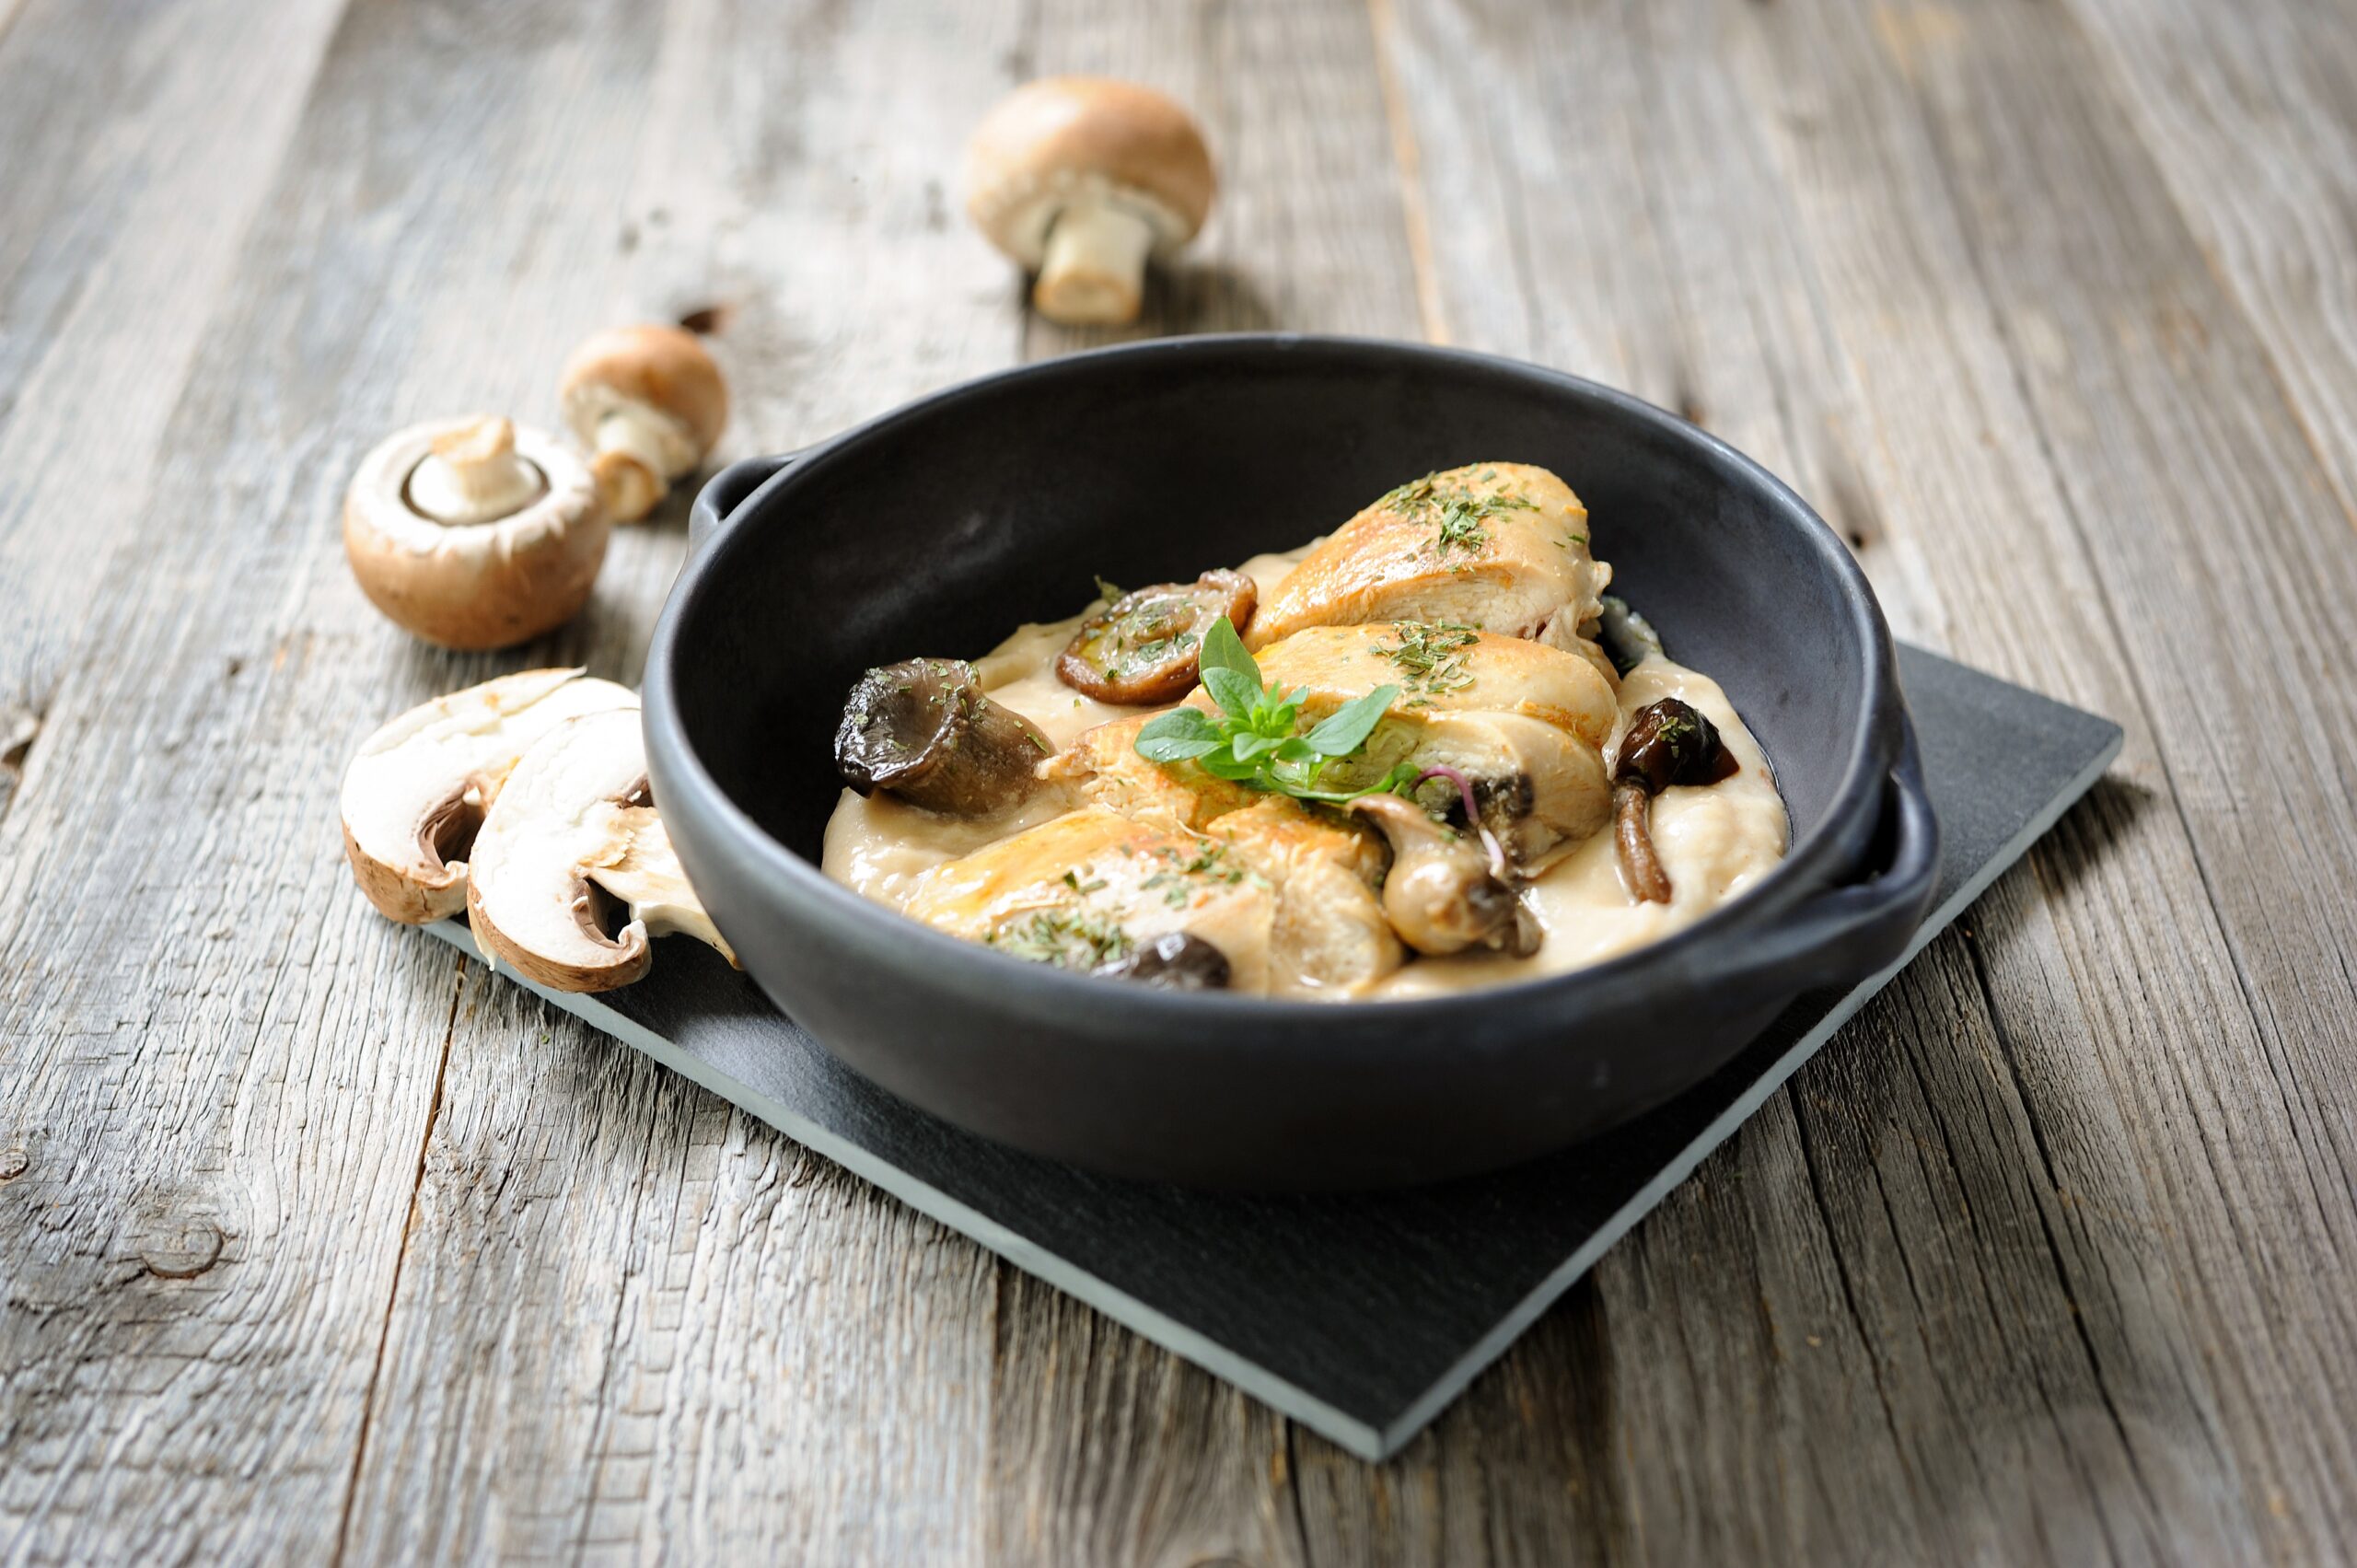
<point>1770,176</point>
<point>315,1244</point>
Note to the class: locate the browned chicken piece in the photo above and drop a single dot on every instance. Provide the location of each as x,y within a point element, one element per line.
<point>1103,765</point>
<point>1524,723</point>
<point>1500,546</point>
<point>1330,937</point>
<point>1090,888</point>
<point>1444,669</point>
<point>1272,901</point>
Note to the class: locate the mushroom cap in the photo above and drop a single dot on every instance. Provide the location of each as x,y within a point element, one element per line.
<point>570,832</point>
<point>652,367</point>
<point>416,791</point>
<point>1062,138</point>
<point>474,585</point>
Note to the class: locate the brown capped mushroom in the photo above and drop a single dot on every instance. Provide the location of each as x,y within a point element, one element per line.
<point>415,795</point>
<point>1081,179</point>
<point>474,533</point>
<point>923,731</point>
<point>1668,742</point>
<point>1443,895</point>
<point>571,847</point>
<point>649,401</point>
<point>1147,645</point>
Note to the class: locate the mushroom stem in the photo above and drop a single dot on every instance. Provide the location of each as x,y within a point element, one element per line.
<point>628,463</point>
<point>473,475</point>
<point>1440,895</point>
<point>1631,817</point>
<point>1094,272</point>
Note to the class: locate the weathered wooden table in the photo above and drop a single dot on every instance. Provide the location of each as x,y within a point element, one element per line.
<point>315,1243</point>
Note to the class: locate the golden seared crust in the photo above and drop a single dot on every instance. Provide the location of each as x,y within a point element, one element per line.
<point>1062,131</point>
<point>1103,765</point>
<point>663,366</point>
<point>1500,546</point>
<point>1444,669</point>
<point>1103,871</point>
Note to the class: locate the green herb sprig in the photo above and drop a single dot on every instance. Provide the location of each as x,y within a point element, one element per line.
<point>1255,737</point>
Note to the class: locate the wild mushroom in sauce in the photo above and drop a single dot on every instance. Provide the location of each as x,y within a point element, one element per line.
<point>1445,892</point>
<point>1145,646</point>
<point>923,731</point>
<point>1667,743</point>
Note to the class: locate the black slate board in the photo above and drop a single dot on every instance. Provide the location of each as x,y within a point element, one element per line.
<point>1360,1316</point>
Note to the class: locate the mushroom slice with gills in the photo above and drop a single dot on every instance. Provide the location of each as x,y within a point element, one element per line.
<point>1667,742</point>
<point>1443,895</point>
<point>1145,646</point>
<point>474,533</point>
<point>649,401</point>
<point>1083,180</point>
<point>923,731</point>
<point>1502,546</point>
<point>416,792</point>
<point>571,836</point>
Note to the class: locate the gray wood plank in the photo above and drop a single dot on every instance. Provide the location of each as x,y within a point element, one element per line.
<point>1745,178</point>
<point>2251,112</point>
<point>2195,495</point>
<point>629,1319</point>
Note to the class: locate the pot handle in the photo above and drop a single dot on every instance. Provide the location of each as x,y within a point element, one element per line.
<point>724,493</point>
<point>1843,936</point>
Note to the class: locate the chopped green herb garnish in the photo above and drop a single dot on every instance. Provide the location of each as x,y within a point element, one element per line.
<point>1068,938</point>
<point>1430,655</point>
<point>1458,511</point>
<point>1255,739</point>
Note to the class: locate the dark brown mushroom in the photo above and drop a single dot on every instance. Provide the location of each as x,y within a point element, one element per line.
<point>1668,742</point>
<point>1146,646</point>
<point>1441,894</point>
<point>923,731</point>
<point>1175,960</point>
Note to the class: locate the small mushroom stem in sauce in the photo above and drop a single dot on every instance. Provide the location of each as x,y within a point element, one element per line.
<point>1147,645</point>
<point>1442,894</point>
<point>923,731</point>
<point>1668,742</point>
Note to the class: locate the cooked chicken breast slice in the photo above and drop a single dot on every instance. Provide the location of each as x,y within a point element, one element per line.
<point>1104,766</point>
<point>1328,937</point>
<point>1444,669</point>
<point>1500,546</point>
<point>1083,887</point>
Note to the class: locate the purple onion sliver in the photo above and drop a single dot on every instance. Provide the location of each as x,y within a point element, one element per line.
<point>1472,815</point>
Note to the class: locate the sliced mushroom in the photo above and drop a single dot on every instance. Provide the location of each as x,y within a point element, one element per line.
<point>416,792</point>
<point>923,731</point>
<point>1083,179</point>
<point>571,836</point>
<point>1175,960</point>
<point>1668,742</point>
<point>649,401</point>
<point>472,533</point>
<point>1145,646</point>
<point>1442,895</point>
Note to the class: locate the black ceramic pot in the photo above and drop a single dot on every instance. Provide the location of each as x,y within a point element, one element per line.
<point>935,528</point>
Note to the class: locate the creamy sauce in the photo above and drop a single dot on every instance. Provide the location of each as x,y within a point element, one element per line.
<point>1714,841</point>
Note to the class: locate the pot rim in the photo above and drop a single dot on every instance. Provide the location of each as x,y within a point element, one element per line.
<point>1815,862</point>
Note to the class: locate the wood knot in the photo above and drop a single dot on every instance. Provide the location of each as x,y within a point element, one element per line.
<point>178,1247</point>
<point>14,1162</point>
